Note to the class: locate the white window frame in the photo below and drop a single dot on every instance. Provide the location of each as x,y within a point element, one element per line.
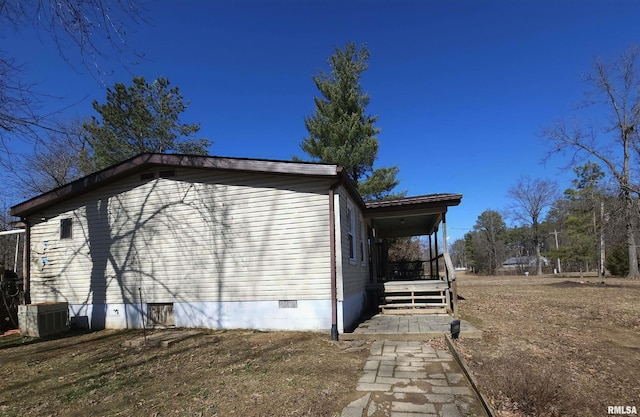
<point>351,233</point>
<point>363,246</point>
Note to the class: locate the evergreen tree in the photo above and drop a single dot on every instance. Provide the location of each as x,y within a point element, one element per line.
<point>140,118</point>
<point>583,220</point>
<point>340,132</point>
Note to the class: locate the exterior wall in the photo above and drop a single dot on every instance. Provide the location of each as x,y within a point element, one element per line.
<point>263,315</point>
<point>217,244</point>
<point>353,274</point>
<point>351,309</point>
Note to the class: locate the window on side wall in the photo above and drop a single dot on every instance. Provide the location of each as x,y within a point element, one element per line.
<point>66,228</point>
<point>351,233</point>
<point>362,242</point>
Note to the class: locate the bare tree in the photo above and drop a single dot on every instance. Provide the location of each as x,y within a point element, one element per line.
<point>615,93</point>
<point>488,241</point>
<point>95,30</point>
<point>406,249</point>
<point>53,162</point>
<point>531,197</point>
<point>458,253</point>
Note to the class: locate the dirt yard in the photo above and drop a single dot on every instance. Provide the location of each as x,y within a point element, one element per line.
<point>218,373</point>
<point>551,347</point>
<point>554,346</point>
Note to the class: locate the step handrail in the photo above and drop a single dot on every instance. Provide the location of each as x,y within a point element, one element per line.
<point>451,281</point>
<point>450,271</point>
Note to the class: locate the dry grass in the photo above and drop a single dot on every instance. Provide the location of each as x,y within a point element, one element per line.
<point>219,373</point>
<point>551,347</point>
<point>554,346</point>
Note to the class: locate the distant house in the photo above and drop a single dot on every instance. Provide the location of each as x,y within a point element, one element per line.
<point>212,242</point>
<point>524,262</point>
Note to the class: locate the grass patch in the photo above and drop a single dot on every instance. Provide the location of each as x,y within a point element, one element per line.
<point>553,346</point>
<point>216,373</point>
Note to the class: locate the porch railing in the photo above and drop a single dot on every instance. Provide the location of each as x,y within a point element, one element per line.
<point>407,271</point>
<point>390,287</point>
<point>412,270</point>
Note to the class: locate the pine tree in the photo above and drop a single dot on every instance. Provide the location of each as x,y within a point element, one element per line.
<point>140,118</point>
<point>340,131</point>
<point>582,223</point>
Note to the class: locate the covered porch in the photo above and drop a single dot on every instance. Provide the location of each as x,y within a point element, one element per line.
<point>424,286</point>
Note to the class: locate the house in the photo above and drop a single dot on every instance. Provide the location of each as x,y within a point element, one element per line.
<point>524,262</point>
<point>213,242</point>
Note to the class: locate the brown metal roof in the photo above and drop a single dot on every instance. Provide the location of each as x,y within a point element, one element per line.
<point>144,161</point>
<point>436,200</point>
<point>432,203</point>
<point>410,216</point>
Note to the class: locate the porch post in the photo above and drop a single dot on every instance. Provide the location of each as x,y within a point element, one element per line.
<point>373,252</point>
<point>430,259</point>
<point>444,233</point>
<point>445,250</point>
<point>437,263</point>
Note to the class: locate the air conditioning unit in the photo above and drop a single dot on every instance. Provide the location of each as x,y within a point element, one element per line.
<point>43,319</point>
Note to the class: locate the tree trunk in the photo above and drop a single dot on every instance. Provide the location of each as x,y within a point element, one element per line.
<point>539,258</point>
<point>631,238</point>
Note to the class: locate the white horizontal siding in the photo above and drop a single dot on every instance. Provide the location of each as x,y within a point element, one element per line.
<point>200,236</point>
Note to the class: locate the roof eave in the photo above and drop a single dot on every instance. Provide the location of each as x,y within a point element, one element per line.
<point>436,203</point>
<point>143,161</point>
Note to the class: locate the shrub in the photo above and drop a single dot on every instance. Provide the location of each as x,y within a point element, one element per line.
<point>526,389</point>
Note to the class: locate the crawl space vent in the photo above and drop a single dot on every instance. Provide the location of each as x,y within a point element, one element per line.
<point>288,304</point>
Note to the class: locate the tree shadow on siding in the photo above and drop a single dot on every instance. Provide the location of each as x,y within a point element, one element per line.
<point>119,240</point>
<point>98,221</point>
<point>122,241</point>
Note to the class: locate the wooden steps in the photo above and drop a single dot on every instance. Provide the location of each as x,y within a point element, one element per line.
<point>407,311</point>
<point>415,297</point>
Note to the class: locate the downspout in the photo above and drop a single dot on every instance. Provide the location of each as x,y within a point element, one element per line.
<point>334,275</point>
<point>26,262</point>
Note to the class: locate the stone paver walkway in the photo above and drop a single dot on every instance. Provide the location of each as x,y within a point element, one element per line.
<point>413,379</point>
<point>409,327</point>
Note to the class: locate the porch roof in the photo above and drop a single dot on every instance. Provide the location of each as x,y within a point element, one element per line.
<point>410,216</point>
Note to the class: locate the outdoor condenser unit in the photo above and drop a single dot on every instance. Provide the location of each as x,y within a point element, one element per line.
<point>43,319</point>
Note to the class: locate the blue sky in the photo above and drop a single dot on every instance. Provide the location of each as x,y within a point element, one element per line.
<point>462,88</point>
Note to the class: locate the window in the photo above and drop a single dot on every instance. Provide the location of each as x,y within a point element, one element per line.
<point>66,228</point>
<point>351,233</point>
<point>362,242</point>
